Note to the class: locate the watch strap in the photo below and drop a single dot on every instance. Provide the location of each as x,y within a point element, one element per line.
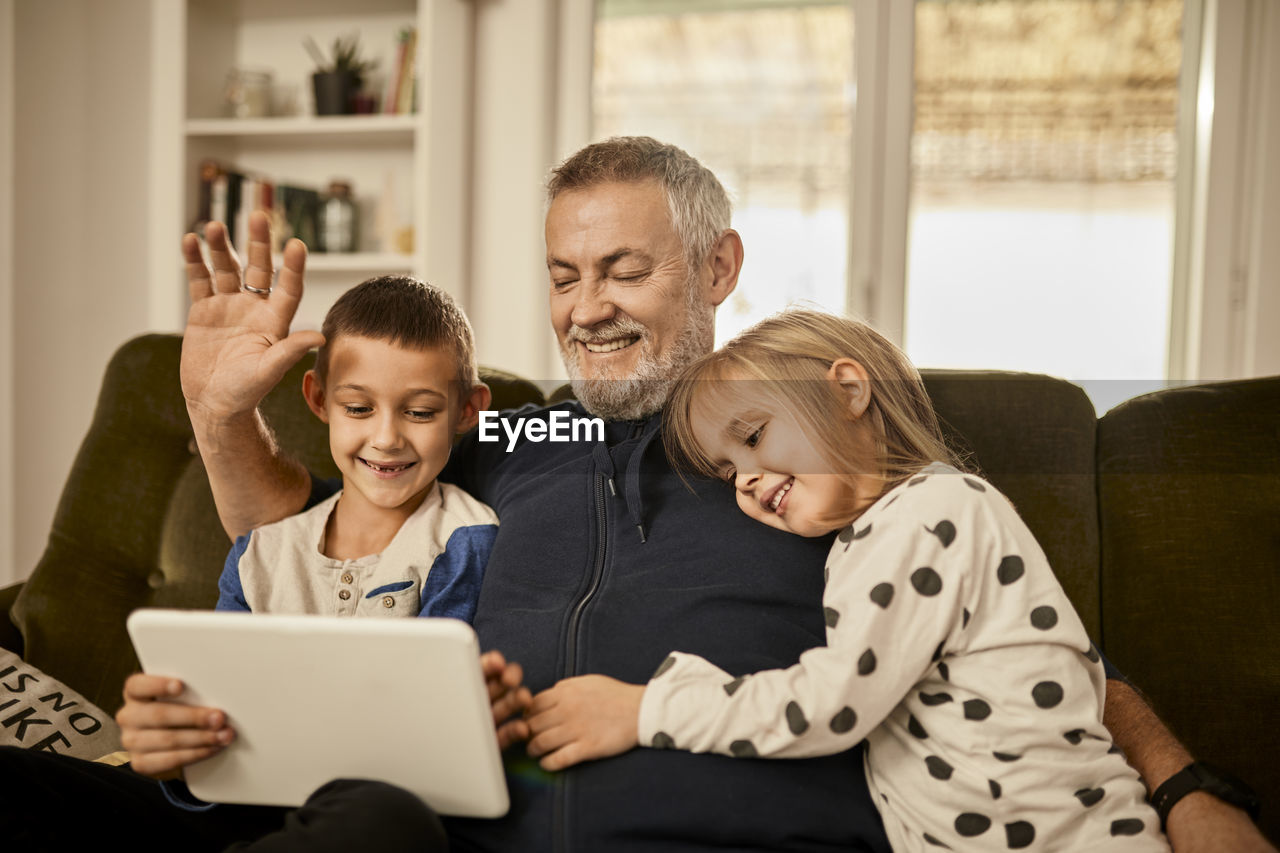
<point>1173,789</point>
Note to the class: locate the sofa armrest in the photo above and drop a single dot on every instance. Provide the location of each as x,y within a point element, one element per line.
<point>10,636</point>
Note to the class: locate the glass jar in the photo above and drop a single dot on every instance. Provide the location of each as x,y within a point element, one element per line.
<point>248,93</point>
<point>338,222</point>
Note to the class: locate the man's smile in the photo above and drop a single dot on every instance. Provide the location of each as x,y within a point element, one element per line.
<point>610,346</point>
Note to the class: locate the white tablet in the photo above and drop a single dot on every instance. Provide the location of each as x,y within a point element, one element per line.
<point>317,698</point>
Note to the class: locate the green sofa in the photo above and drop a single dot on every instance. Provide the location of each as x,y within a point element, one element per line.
<point>1160,519</point>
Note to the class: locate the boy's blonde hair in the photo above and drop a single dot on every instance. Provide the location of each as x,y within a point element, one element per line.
<point>789,355</point>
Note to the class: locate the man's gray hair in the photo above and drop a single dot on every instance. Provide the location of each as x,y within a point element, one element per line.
<point>696,202</point>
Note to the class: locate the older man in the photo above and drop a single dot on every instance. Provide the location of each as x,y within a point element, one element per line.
<point>604,560</point>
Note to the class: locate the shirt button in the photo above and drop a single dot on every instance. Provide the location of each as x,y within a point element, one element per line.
<point>344,594</point>
<point>346,577</point>
<point>388,601</point>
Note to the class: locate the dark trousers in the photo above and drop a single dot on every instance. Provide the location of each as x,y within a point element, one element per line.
<point>52,803</point>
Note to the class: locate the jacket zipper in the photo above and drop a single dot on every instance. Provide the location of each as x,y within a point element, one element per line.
<point>560,837</point>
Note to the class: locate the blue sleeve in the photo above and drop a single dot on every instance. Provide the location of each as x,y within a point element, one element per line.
<point>178,794</point>
<point>453,583</point>
<point>1111,670</point>
<point>230,591</point>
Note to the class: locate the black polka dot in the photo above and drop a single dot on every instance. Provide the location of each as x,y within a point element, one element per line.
<point>743,749</point>
<point>976,709</point>
<point>732,687</point>
<point>1006,756</point>
<point>1047,694</point>
<point>945,531</point>
<point>913,726</point>
<point>965,623</point>
<point>664,666</point>
<point>975,485</point>
<point>1074,736</point>
<point>1019,834</point>
<point>1089,796</point>
<point>867,663</point>
<point>826,574</point>
<point>935,842</point>
<point>1092,654</point>
<point>943,671</point>
<point>935,698</point>
<point>926,581</point>
<point>1115,750</point>
<point>937,653</point>
<point>832,616</point>
<point>844,721</point>
<point>795,719</point>
<point>662,740</point>
<point>889,503</point>
<point>1127,826</point>
<point>915,481</point>
<point>1044,618</point>
<point>849,535</point>
<point>996,790</point>
<point>1010,569</point>
<point>970,824</point>
<point>882,594</point>
<point>938,768</point>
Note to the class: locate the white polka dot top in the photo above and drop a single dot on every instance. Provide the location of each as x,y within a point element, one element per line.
<point>953,650</point>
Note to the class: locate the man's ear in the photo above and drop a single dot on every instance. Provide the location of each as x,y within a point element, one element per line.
<point>725,262</point>
<point>472,405</point>
<point>854,384</point>
<point>313,391</point>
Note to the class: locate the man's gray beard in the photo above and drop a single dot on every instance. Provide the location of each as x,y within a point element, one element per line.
<point>647,388</point>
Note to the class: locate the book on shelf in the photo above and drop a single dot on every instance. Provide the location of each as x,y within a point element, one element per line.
<point>227,195</point>
<point>399,98</point>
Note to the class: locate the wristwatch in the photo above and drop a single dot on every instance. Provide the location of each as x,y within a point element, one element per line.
<point>1199,776</point>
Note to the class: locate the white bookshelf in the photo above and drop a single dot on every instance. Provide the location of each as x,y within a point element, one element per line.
<point>408,168</point>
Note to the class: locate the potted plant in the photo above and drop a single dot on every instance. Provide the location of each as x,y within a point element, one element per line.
<point>337,82</point>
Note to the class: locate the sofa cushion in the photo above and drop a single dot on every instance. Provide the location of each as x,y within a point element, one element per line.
<point>38,712</point>
<point>1189,494</point>
<point>1033,437</point>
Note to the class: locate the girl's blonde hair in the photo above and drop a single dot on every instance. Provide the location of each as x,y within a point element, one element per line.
<point>789,355</point>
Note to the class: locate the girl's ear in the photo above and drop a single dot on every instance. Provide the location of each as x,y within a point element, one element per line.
<point>853,383</point>
<point>313,391</point>
<point>474,403</point>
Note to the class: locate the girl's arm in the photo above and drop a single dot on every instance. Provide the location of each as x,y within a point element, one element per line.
<point>896,588</point>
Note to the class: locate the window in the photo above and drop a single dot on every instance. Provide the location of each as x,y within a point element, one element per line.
<point>1042,157</point>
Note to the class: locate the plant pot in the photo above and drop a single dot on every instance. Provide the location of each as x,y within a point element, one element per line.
<point>335,91</point>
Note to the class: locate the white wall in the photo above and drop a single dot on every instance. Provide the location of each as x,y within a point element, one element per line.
<point>513,148</point>
<point>8,572</point>
<point>79,196</point>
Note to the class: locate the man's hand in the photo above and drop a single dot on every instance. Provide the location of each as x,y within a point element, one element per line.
<point>508,697</point>
<point>237,344</point>
<point>163,736</point>
<point>236,348</point>
<point>583,718</point>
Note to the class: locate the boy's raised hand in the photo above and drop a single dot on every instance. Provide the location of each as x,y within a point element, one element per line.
<point>583,718</point>
<point>508,697</point>
<point>163,736</point>
<point>237,344</point>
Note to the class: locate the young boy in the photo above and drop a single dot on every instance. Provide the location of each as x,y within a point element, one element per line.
<point>395,381</point>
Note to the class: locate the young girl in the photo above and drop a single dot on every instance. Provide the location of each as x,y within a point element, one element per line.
<point>950,645</point>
